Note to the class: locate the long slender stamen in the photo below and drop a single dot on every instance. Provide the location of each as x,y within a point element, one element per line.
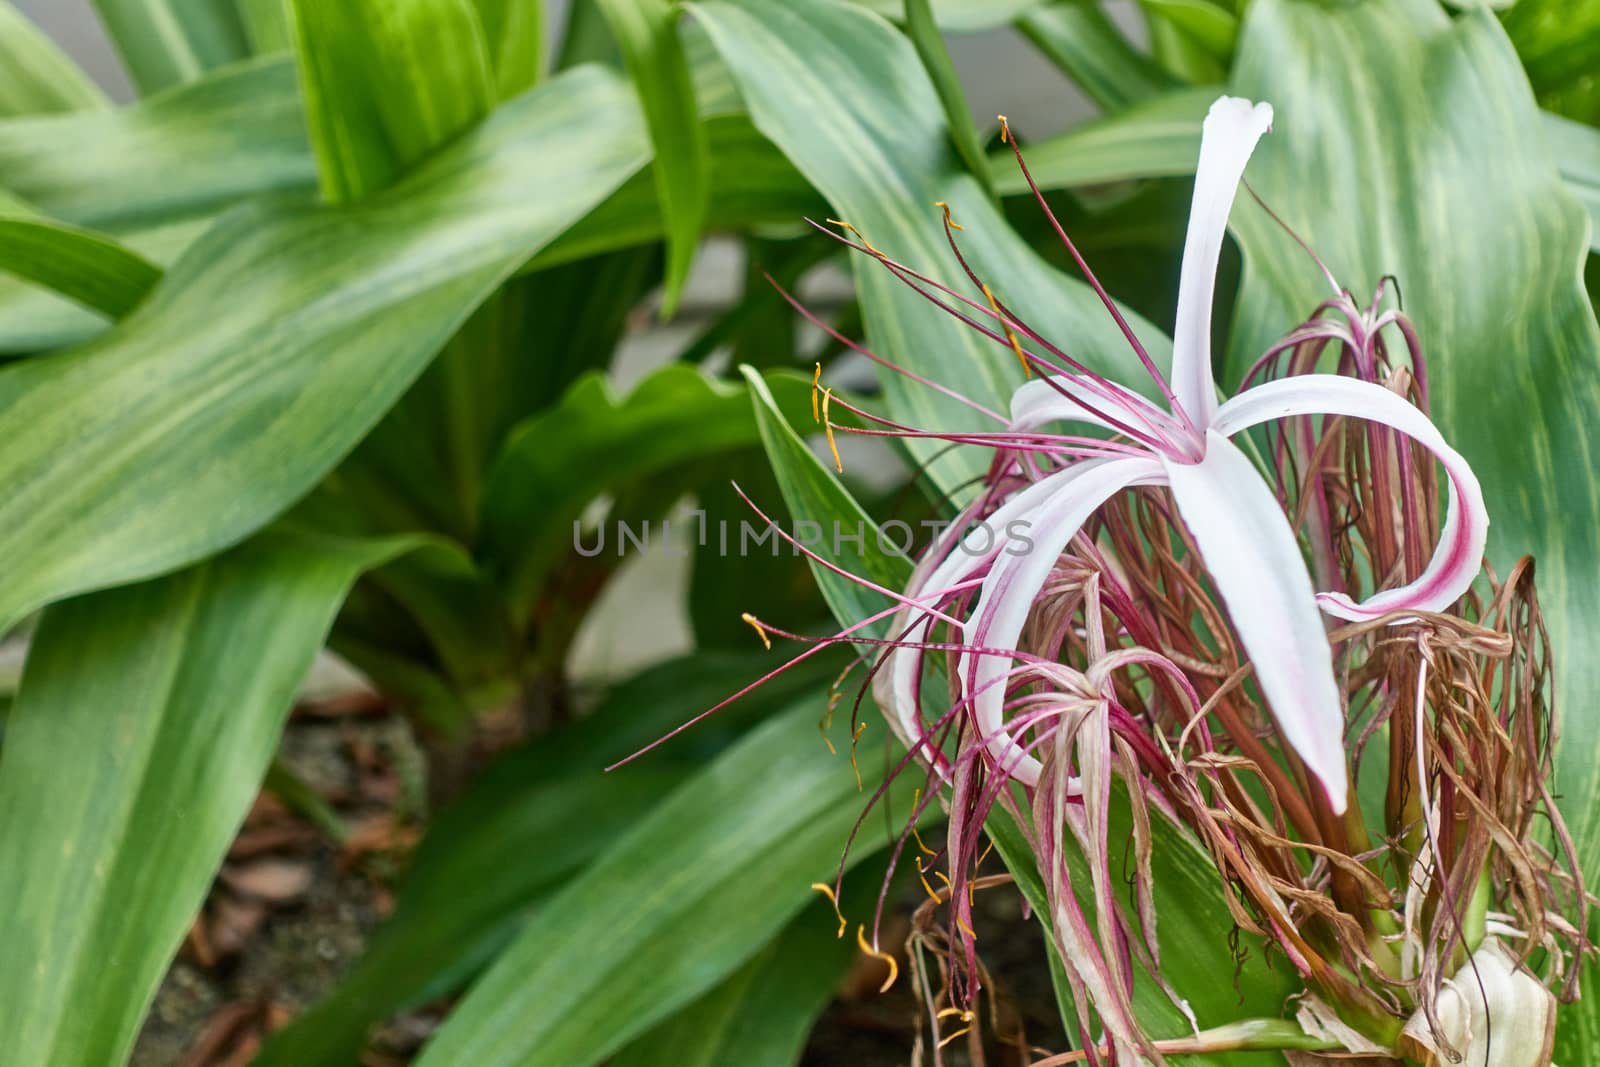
<point>1006,137</point>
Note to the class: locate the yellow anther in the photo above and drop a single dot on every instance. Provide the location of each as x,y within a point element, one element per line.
<point>1016,346</point>
<point>943,878</point>
<point>875,953</point>
<point>827,891</point>
<point>948,221</point>
<point>967,929</point>
<point>859,236</point>
<point>959,1033</point>
<point>1005,129</point>
<point>816,379</point>
<point>983,857</point>
<point>964,1013</point>
<point>827,427</point>
<point>761,631</point>
<point>860,729</point>
<point>933,894</point>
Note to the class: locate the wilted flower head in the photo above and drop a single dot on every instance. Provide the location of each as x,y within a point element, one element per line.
<point>1157,622</point>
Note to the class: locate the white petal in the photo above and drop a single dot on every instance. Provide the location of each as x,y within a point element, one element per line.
<point>1041,401</point>
<point>1229,135</point>
<point>1459,556</point>
<point>1255,563</point>
<point>1012,584</point>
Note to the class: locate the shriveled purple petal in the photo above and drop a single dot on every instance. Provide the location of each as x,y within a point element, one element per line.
<point>1232,128</point>
<point>1255,562</point>
<point>1459,556</point>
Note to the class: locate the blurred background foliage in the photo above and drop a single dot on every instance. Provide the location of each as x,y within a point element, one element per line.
<point>346,327</point>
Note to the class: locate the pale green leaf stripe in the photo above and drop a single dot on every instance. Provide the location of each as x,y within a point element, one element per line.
<point>1078,37</point>
<point>872,138</point>
<point>168,42</point>
<point>35,75</point>
<point>386,84</point>
<point>179,155</point>
<point>1408,143</point>
<point>1157,138</point>
<point>274,345</point>
<point>647,33</point>
<point>718,868</point>
<point>88,267</point>
<point>1576,148</point>
<point>761,1014</point>
<point>266,23</point>
<point>146,718</point>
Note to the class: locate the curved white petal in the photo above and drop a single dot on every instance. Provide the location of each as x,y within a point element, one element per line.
<point>1041,401</point>
<point>1255,562</point>
<point>971,554</point>
<point>1231,130</point>
<point>1459,556</point>
<point>1014,582</point>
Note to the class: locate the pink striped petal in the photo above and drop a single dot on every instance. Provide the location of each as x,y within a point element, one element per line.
<point>1229,135</point>
<point>1079,398</point>
<point>1459,556</point>
<point>1057,509</point>
<point>1255,562</point>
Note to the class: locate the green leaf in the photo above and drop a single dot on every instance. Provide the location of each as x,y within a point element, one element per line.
<point>514,31</point>
<point>1556,40</point>
<point>961,16</point>
<point>1576,149</point>
<point>872,138</point>
<point>1079,38</point>
<point>273,346</point>
<point>760,1014</point>
<point>529,823</point>
<point>169,42</point>
<point>80,264</point>
<point>924,33</point>
<point>181,155</point>
<point>646,31</point>
<point>1408,143</point>
<point>557,461</point>
<point>387,84</point>
<point>709,876</point>
<point>35,75</point>
<point>1210,25</point>
<point>267,24</point>
<point>146,719</point>
<point>1157,138</point>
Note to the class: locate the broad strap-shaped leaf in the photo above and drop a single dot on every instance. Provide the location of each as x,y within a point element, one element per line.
<point>169,42</point>
<point>85,266</point>
<point>696,889</point>
<point>1156,138</point>
<point>275,344</point>
<point>1411,145</point>
<point>145,721</point>
<point>763,1012</point>
<point>647,33</point>
<point>1576,149</point>
<point>873,140</point>
<point>1210,25</point>
<point>514,31</point>
<point>386,84</point>
<point>1556,41</point>
<point>183,154</point>
<point>557,461</point>
<point>531,821</point>
<point>266,23</point>
<point>35,75</point>
<point>1078,37</point>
